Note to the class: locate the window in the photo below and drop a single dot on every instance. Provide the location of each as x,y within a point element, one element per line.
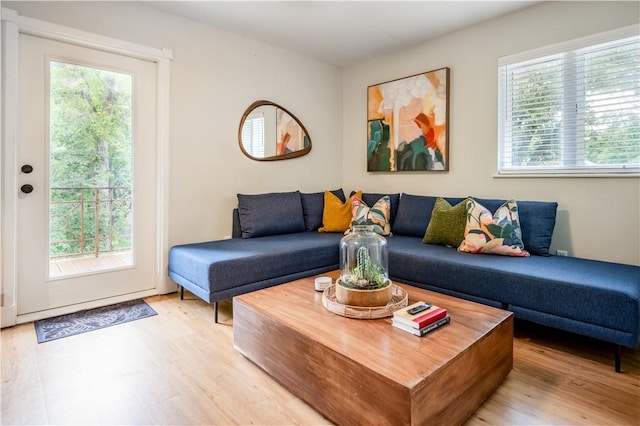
<point>253,135</point>
<point>572,108</point>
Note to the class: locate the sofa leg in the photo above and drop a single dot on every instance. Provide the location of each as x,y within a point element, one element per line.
<point>617,358</point>
<point>181,293</point>
<point>215,315</point>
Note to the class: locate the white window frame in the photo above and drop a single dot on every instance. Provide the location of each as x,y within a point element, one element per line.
<point>571,150</point>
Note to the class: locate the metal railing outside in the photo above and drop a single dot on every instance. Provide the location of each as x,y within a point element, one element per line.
<point>89,221</point>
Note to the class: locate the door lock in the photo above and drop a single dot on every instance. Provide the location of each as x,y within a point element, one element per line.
<point>27,168</point>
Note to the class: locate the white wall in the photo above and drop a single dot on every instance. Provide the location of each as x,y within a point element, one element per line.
<point>215,76</point>
<point>598,218</point>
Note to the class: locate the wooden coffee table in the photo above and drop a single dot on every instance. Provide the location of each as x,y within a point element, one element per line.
<point>357,371</point>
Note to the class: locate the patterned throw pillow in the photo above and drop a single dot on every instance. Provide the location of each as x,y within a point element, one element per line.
<point>377,216</point>
<point>497,234</point>
<point>336,215</point>
<point>447,223</point>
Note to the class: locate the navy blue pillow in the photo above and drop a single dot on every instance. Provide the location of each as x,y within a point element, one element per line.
<point>537,221</point>
<point>413,215</point>
<point>270,214</point>
<point>313,206</point>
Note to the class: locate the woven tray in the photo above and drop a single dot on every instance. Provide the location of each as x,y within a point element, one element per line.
<point>399,299</point>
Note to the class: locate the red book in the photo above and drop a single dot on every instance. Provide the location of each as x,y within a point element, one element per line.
<point>430,316</point>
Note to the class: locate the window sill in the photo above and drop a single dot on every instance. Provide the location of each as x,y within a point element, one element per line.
<point>557,174</point>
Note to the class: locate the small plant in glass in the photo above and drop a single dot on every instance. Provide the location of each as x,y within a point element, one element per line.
<point>365,274</point>
<point>364,278</point>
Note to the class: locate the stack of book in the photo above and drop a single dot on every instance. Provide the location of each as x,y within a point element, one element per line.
<point>420,318</point>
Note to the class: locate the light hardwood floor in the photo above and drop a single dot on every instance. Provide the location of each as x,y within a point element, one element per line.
<point>179,367</point>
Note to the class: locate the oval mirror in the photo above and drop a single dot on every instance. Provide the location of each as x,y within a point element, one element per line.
<point>269,132</point>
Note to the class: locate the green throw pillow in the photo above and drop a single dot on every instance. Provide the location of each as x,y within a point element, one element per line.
<point>447,223</point>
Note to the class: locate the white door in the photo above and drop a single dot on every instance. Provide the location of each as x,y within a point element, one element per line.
<point>87,173</point>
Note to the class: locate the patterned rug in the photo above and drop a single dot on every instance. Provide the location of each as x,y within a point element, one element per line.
<point>91,319</point>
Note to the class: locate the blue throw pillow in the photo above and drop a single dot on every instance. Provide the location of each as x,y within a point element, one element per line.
<point>413,215</point>
<point>270,214</point>
<point>537,221</point>
<point>313,206</point>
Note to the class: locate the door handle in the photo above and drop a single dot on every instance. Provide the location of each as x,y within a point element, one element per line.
<point>27,168</point>
<point>26,188</point>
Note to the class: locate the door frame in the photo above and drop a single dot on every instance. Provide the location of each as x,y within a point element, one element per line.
<point>12,26</point>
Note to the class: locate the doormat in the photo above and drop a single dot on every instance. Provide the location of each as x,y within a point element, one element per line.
<point>92,319</point>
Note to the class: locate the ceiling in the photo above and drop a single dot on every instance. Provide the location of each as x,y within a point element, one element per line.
<point>341,32</point>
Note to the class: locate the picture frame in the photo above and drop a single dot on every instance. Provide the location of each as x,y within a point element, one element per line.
<point>408,123</point>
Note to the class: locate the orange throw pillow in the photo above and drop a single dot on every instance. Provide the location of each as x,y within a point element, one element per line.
<point>336,216</point>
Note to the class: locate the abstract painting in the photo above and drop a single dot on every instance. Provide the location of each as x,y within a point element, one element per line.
<point>408,123</point>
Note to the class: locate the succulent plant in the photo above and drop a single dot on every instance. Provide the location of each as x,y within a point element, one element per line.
<point>365,275</point>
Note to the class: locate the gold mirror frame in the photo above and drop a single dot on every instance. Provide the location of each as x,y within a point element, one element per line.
<point>281,129</point>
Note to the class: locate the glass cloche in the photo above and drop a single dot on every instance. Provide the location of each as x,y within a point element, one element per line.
<point>363,259</point>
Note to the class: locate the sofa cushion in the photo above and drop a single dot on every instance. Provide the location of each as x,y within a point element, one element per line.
<point>376,216</point>
<point>270,214</point>
<point>413,215</point>
<point>537,220</point>
<point>493,234</point>
<point>223,266</point>
<point>447,223</point>
<point>336,216</point>
<point>313,206</point>
<point>594,292</point>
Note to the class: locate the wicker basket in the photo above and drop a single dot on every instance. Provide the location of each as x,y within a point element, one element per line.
<point>399,299</point>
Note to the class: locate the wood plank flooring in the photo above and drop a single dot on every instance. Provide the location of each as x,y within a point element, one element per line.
<point>179,367</point>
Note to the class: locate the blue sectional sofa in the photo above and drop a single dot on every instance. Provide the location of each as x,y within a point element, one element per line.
<point>275,240</point>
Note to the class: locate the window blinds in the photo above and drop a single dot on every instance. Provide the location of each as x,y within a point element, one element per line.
<point>253,135</point>
<point>571,108</point>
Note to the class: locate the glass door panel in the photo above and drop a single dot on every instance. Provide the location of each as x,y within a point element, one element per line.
<point>90,169</point>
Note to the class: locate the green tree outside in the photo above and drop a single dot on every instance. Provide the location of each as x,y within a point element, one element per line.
<point>90,159</point>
